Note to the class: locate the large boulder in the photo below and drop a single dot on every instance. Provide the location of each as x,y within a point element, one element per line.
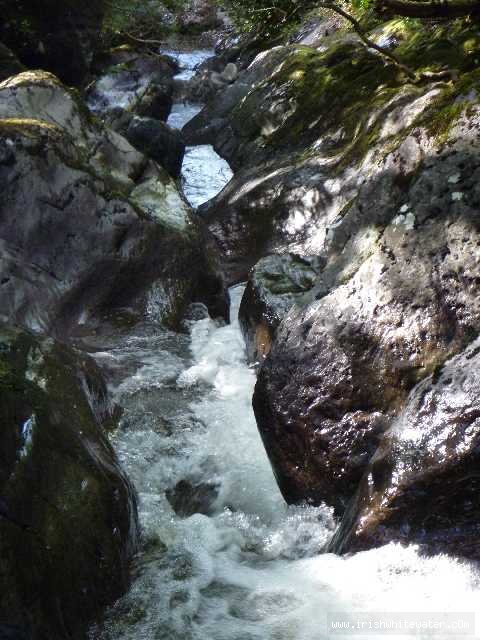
<point>397,296</point>
<point>339,158</point>
<point>68,522</point>
<point>294,137</point>
<point>217,123</point>
<point>158,141</point>
<point>267,209</point>
<point>304,127</point>
<point>198,16</point>
<point>137,82</point>
<point>422,483</point>
<point>90,229</point>
<point>56,36</point>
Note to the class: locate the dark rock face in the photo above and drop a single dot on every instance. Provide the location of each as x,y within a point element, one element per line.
<point>274,285</point>
<point>68,523</point>
<point>264,210</point>
<point>91,230</point>
<point>394,302</point>
<point>422,483</point>
<point>158,141</point>
<point>214,124</point>
<point>9,63</point>
<point>57,36</point>
<point>7,632</point>
<point>156,102</point>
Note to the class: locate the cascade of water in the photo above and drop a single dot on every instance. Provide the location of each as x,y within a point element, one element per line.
<point>224,558</point>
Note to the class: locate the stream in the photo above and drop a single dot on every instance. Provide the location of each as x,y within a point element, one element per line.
<point>223,557</point>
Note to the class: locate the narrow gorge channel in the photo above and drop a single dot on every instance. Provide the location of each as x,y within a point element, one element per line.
<point>223,557</point>
<point>239,320</point>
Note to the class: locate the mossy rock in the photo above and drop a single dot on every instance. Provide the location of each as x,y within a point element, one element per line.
<point>68,522</point>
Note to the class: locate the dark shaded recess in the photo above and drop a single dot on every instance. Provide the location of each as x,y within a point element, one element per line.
<point>56,35</point>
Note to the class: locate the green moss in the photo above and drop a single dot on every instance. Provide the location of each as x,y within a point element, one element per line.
<point>441,120</point>
<point>447,108</point>
<point>332,92</point>
<point>430,46</point>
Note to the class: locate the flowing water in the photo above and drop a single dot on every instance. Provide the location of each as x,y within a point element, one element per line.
<point>204,172</point>
<point>223,557</point>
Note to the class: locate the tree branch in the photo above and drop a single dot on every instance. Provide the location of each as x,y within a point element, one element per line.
<point>391,57</point>
<point>366,40</point>
<point>135,39</point>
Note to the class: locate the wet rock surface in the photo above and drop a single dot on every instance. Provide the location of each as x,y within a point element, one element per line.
<point>68,524</point>
<point>422,482</point>
<point>135,81</point>
<point>396,302</point>
<point>159,142</point>
<point>188,498</point>
<point>373,180</point>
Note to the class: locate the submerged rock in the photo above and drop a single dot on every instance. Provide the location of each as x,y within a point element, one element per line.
<point>79,201</point>
<point>68,522</point>
<point>188,498</point>
<point>422,483</point>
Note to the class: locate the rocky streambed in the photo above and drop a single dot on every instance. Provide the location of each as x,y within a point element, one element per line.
<point>136,477</point>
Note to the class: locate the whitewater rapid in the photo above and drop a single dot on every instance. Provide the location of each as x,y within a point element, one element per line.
<point>244,566</point>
